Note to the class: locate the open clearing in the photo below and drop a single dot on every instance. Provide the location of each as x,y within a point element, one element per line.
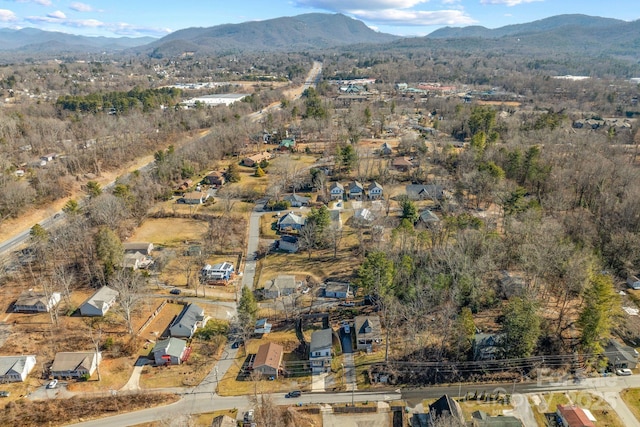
<point>169,231</point>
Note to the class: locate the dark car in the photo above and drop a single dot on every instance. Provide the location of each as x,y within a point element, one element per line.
<point>295,393</point>
<point>175,291</point>
<point>4,393</point>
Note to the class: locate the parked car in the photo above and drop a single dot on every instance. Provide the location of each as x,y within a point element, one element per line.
<point>248,416</point>
<point>53,384</point>
<point>295,393</point>
<point>624,372</point>
<point>346,328</point>
<point>348,304</point>
<point>4,393</point>
<point>175,291</point>
<point>236,344</point>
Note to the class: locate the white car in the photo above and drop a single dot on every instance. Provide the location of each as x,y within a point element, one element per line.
<point>53,384</point>
<point>624,372</point>
<point>346,328</point>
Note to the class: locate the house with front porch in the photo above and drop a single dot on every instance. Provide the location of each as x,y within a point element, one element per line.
<point>320,351</point>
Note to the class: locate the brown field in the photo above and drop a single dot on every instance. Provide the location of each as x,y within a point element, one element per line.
<point>321,266</point>
<point>169,231</point>
<point>114,374</point>
<point>505,103</point>
<point>154,331</point>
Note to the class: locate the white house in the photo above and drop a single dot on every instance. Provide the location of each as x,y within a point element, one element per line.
<point>320,351</point>
<point>220,272</point>
<point>189,319</point>
<point>36,302</point>
<point>75,364</point>
<point>336,191</point>
<point>338,290</point>
<point>356,190</point>
<point>100,302</point>
<point>15,368</point>
<point>171,351</point>
<point>291,221</point>
<point>145,248</point>
<point>288,243</point>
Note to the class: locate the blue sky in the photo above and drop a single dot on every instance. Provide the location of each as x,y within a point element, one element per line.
<point>403,17</point>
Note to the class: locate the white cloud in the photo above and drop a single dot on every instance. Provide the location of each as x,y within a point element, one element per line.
<point>57,15</point>
<point>415,18</point>
<point>450,1</point>
<point>7,16</point>
<point>508,2</point>
<point>81,7</point>
<point>40,2</point>
<point>350,5</point>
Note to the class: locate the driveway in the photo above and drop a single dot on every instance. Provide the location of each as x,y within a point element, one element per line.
<point>252,247</point>
<point>345,340</point>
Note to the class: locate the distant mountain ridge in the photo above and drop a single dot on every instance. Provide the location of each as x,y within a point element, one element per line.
<point>552,23</point>
<point>303,32</point>
<point>39,41</point>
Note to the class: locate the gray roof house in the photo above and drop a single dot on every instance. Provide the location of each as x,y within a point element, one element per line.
<point>386,149</point>
<point>224,421</point>
<point>100,302</point>
<point>486,346</point>
<point>288,243</point>
<point>338,290</point>
<point>429,218</point>
<point>320,351</point>
<point>75,364</point>
<point>170,351</point>
<point>374,191</point>
<point>291,221</point>
<point>362,217</point>
<point>144,248</point>
<point>368,332</point>
<point>356,190</point>
<point>187,322</point>
<point>36,302</point>
<point>16,368</point>
<point>621,355</point>
<point>296,200</point>
<point>336,190</point>
<point>425,192</point>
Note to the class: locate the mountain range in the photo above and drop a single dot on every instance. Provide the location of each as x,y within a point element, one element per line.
<point>588,35</point>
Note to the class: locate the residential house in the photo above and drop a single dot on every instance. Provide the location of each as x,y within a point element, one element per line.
<point>224,421</point>
<point>320,351</point>
<point>262,327</point>
<point>368,332</point>
<point>256,159</point>
<point>336,191</point>
<point>356,190</point>
<point>620,355</point>
<point>194,198</point>
<point>512,284</point>
<point>425,192</point>
<point>402,164</point>
<point>220,272</point>
<point>374,191</point>
<point>338,290</point>
<point>288,244</point>
<point>486,346</point>
<point>136,261</point>
<point>185,185</point>
<point>75,364</point>
<point>482,419</point>
<point>172,351</point>
<point>100,302</point>
<point>296,200</point>
<point>190,318</point>
<point>386,149</point>
<point>633,282</point>
<point>287,144</point>
<point>429,218</point>
<point>573,416</point>
<point>290,222</point>
<point>15,368</point>
<point>145,248</point>
<point>362,217</point>
<point>216,178</point>
<point>36,302</point>
<point>271,290</point>
<point>268,360</point>
<point>445,408</point>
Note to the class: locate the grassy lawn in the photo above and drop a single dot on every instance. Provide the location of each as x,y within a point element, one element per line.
<point>205,420</point>
<point>362,361</point>
<point>491,408</point>
<point>321,266</point>
<point>170,232</point>
<point>631,397</point>
<point>114,373</point>
<point>267,226</point>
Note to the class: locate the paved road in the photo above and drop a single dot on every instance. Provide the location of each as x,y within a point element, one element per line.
<point>252,247</point>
